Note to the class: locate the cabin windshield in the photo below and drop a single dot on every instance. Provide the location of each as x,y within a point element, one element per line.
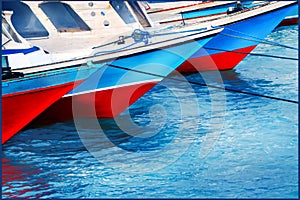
<point>63,17</point>
<point>24,20</point>
<point>123,11</point>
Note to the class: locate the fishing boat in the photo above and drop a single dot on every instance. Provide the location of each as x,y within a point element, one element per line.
<point>243,31</point>
<point>93,63</point>
<point>189,11</point>
<point>212,9</point>
<point>26,94</point>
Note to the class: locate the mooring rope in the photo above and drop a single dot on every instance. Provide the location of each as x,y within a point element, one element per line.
<point>155,35</point>
<point>180,32</point>
<point>256,39</point>
<point>201,84</point>
<point>113,42</point>
<point>253,54</point>
<point>6,42</point>
<point>111,51</point>
<point>142,36</point>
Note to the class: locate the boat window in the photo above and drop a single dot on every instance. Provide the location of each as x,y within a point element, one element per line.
<point>63,17</point>
<point>139,13</point>
<point>24,20</point>
<point>121,8</point>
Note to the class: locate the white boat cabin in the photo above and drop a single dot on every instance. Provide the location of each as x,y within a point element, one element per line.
<point>16,51</point>
<point>70,29</point>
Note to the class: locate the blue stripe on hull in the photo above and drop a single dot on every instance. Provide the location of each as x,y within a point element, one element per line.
<point>207,11</point>
<point>212,11</point>
<point>161,62</point>
<point>259,27</point>
<point>46,79</point>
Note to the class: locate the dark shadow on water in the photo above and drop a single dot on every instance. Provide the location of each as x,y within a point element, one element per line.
<point>108,131</point>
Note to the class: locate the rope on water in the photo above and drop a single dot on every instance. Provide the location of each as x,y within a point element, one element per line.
<point>256,39</point>
<point>210,86</point>
<point>252,54</point>
<point>122,41</point>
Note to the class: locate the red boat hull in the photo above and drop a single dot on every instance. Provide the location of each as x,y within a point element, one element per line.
<point>219,61</point>
<point>288,22</point>
<point>106,103</point>
<point>21,108</point>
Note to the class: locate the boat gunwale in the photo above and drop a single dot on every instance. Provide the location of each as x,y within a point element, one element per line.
<point>124,53</point>
<point>269,6</point>
<point>222,3</point>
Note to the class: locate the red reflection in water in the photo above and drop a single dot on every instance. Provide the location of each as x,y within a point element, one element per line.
<point>13,176</point>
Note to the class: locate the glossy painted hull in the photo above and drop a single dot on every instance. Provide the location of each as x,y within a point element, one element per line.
<point>232,45</point>
<point>111,90</point>
<point>19,109</point>
<point>99,104</point>
<point>23,99</point>
<point>292,18</point>
<point>289,21</point>
<point>218,61</point>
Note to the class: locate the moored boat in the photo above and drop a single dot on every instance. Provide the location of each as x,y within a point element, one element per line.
<point>243,31</point>
<point>238,39</point>
<point>211,9</point>
<point>207,10</point>
<point>101,68</point>
<point>26,94</point>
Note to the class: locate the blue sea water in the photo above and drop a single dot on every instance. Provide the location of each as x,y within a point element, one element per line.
<point>179,140</point>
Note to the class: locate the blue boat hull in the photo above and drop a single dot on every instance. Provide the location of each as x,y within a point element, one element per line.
<point>116,86</point>
<point>234,43</point>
